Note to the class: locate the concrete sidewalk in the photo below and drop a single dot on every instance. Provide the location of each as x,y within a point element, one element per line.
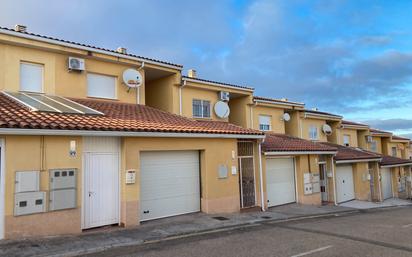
<point>362,205</point>
<point>101,239</point>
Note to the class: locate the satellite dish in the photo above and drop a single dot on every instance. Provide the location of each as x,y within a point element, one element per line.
<point>327,129</point>
<point>286,116</point>
<point>132,78</point>
<point>222,110</point>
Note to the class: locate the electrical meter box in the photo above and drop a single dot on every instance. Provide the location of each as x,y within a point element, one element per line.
<point>63,187</point>
<point>29,203</point>
<point>222,171</point>
<point>27,181</point>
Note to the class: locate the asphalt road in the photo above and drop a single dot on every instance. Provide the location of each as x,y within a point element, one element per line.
<point>371,233</point>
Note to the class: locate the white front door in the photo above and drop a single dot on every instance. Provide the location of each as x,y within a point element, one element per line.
<point>386,183</point>
<point>101,182</point>
<point>344,183</point>
<point>169,183</point>
<point>280,179</point>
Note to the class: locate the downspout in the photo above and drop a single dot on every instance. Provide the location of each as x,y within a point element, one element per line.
<point>180,97</point>
<point>334,181</point>
<point>138,88</point>
<point>262,201</point>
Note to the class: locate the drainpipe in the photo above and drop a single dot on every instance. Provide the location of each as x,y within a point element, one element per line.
<point>180,96</point>
<point>334,181</point>
<point>379,182</point>
<point>262,200</point>
<point>138,89</point>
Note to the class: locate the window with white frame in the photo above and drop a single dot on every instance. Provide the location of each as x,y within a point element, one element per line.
<point>313,132</point>
<point>394,151</point>
<point>101,86</point>
<point>346,140</point>
<point>374,146</point>
<point>265,122</point>
<point>201,108</point>
<point>31,77</point>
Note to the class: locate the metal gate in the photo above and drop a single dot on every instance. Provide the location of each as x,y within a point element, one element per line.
<point>246,174</point>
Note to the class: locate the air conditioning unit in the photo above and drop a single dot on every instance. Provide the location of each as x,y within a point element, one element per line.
<point>369,139</point>
<point>224,96</point>
<point>76,64</point>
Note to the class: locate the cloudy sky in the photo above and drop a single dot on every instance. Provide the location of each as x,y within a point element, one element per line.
<point>348,57</point>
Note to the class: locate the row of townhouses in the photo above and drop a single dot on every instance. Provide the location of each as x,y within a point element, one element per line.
<point>91,137</point>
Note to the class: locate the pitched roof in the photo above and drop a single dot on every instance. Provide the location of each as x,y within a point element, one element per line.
<point>84,45</point>
<point>346,153</point>
<point>323,113</point>
<point>352,123</point>
<point>394,161</point>
<point>400,138</point>
<point>377,131</point>
<point>284,143</point>
<point>122,117</point>
<point>276,101</point>
<point>219,83</point>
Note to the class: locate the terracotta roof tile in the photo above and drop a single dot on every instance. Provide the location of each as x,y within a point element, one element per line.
<point>118,117</point>
<point>346,122</point>
<point>276,100</point>
<point>377,131</point>
<point>400,138</point>
<point>221,83</point>
<point>390,160</point>
<point>323,113</point>
<point>346,153</point>
<point>280,142</point>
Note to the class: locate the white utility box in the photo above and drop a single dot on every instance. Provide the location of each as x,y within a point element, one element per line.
<point>29,203</point>
<point>63,188</point>
<point>62,199</point>
<point>27,181</point>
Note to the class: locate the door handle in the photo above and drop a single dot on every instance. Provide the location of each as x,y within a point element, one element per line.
<point>90,193</point>
<point>146,212</point>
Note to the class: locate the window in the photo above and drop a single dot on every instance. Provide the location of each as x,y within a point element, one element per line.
<point>101,86</point>
<point>346,140</point>
<point>394,151</point>
<point>313,132</point>
<point>265,122</point>
<point>201,108</point>
<point>374,146</point>
<point>31,77</point>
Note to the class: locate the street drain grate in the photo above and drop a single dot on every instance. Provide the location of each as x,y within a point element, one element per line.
<point>265,217</point>
<point>220,218</point>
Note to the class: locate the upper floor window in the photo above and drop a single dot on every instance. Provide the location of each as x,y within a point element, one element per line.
<point>313,132</point>
<point>394,151</point>
<point>374,146</point>
<point>265,122</point>
<point>31,77</point>
<point>101,86</point>
<point>346,140</point>
<point>201,108</point>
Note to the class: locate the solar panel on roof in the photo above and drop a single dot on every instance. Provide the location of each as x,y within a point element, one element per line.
<point>49,103</point>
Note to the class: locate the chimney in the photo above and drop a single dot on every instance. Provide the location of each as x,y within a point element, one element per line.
<point>192,73</point>
<point>20,28</point>
<point>121,50</point>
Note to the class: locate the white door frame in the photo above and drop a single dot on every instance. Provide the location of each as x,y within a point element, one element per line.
<point>2,185</point>
<point>295,172</point>
<point>83,184</point>
<point>325,180</point>
<point>254,177</point>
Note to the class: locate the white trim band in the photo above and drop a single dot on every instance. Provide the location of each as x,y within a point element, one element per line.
<point>359,160</point>
<point>56,132</point>
<point>396,165</point>
<point>280,103</point>
<point>217,84</point>
<point>280,153</point>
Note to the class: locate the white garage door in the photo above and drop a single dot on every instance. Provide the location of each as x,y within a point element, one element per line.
<point>344,183</point>
<point>386,183</point>
<point>280,179</point>
<point>169,182</point>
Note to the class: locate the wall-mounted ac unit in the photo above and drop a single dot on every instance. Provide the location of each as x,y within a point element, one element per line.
<point>76,64</point>
<point>224,96</point>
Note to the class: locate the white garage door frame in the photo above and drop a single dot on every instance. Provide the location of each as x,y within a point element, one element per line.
<point>339,185</point>
<point>2,185</point>
<point>198,184</point>
<point>94,145</point>
<point>294,177</point>
<point>388,174</point>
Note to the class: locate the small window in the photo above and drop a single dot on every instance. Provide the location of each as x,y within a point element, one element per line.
<point>346,140</point>
<point>313,132</point>
<point>394,151</point>
<point>31,77</point>
<point>265,122</point>
<point>201,108</point>
<point>101,86</point>
<point>374,146</point>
